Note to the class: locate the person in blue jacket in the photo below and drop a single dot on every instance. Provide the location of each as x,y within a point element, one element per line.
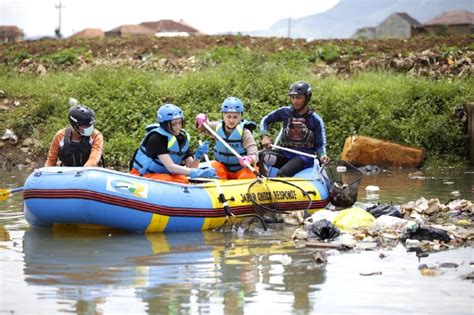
<point>165,154</point>
<point>303,130</point>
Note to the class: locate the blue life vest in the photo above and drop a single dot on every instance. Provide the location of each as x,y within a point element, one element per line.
<point>146,164</point>
<point>222,154</point>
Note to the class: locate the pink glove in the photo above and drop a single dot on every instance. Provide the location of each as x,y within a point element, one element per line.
<point>200,119</point>
<point>324,159</point>
<point>244,159</point>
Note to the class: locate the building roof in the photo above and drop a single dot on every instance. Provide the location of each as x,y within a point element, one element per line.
<point>452,18</point>
<point>132,30</point>
<point>408,18</point>
<point>89,33</point>
<point>10,31</point>
<point>163,26</point>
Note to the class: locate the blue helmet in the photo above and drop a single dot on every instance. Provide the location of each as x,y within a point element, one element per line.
<point>168,112</point>
<point>232,105</point>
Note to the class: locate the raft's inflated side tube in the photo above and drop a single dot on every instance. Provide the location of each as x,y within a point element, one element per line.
<point>97,196</point>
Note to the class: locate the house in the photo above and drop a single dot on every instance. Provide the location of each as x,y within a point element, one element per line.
<point>171,28</point>
<point>89,33</point>
<point>129,30</point>
<point>452,22</point>
<point>399,25</point>
<point>10,33</point>
<point>365,33</point>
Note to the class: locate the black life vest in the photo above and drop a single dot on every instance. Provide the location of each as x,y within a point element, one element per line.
<point>296,134</point>
<point>73,153</point>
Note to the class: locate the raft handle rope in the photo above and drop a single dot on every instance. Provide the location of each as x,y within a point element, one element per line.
<point>304,192</point>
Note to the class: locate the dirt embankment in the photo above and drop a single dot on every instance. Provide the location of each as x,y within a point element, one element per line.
<point>428,56</point>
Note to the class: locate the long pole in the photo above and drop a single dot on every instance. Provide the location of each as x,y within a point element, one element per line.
<point>293,151</point>
<point>231,149</point>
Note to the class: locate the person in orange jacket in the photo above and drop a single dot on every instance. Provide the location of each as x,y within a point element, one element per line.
<point>80,144</point>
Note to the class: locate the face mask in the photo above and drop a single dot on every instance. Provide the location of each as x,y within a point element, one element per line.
<point>88,131</point>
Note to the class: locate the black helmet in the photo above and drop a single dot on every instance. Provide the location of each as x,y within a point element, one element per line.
<point>81,115</point>
<point>301,88</point>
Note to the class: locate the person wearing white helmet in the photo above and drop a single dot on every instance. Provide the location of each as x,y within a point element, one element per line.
<point>80,144</point>
<point>303,130</point>
<point>165,153</point>
<point>237,132</point>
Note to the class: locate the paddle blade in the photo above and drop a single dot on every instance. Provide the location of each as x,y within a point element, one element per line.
<point>4,194</point>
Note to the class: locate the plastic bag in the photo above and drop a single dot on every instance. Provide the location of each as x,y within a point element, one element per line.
<point>324,230</point>
<point>427,233</point>
<point>385,209</point>
<point>390,222</point>
<point>353,218</point>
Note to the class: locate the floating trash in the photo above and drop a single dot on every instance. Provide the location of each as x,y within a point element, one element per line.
<point>372,192</point>
<point>455,194</point>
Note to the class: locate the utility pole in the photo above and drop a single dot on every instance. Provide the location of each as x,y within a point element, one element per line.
<point>289,27</point>
<point>58,30</point>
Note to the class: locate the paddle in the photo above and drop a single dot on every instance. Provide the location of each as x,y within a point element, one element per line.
<point>316,160</point>
<point>274,146</point>
<point>219,189</point>
<point>277,139</point>
<point>5,193</point>
<point>247,164</point>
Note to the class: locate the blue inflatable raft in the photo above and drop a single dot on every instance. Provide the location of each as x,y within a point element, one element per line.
<point>102,197</point>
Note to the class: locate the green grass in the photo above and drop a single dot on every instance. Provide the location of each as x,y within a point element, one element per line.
<point>409,110</point>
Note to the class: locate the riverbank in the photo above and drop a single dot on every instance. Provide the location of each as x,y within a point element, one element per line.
<point>395,90</point>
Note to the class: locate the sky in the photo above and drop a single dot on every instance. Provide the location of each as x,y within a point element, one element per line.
<point>41,17</point>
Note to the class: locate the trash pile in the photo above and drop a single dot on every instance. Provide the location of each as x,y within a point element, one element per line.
<point>422,226</point>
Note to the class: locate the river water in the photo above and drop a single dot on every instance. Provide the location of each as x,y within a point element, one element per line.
<point>237,271</point>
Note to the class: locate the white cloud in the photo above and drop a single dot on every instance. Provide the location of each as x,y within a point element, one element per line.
<point>40,17</point>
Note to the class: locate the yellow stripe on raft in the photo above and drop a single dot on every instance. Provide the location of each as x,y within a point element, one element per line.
<point>265,192</point>
<point>212,223</point>
<point>158,223</point>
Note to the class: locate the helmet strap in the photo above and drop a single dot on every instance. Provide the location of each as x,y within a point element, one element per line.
<point>75,130</point>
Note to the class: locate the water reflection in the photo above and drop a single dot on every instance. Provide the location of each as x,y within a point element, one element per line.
<point>168,273</point>
<point>233,272</point>
<point>402,185</point>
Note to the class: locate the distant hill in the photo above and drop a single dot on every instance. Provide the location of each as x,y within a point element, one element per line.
<point>347,16</point>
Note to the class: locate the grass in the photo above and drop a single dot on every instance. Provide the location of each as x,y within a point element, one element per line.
<point>406,109</point>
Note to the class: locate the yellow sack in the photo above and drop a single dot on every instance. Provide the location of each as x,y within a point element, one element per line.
<point>353,218</point>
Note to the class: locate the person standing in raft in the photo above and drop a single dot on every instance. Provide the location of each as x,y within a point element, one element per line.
<point>303,130</point>
<point>80,144</point>
<point>164,153</point>
<point>237,133</point>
